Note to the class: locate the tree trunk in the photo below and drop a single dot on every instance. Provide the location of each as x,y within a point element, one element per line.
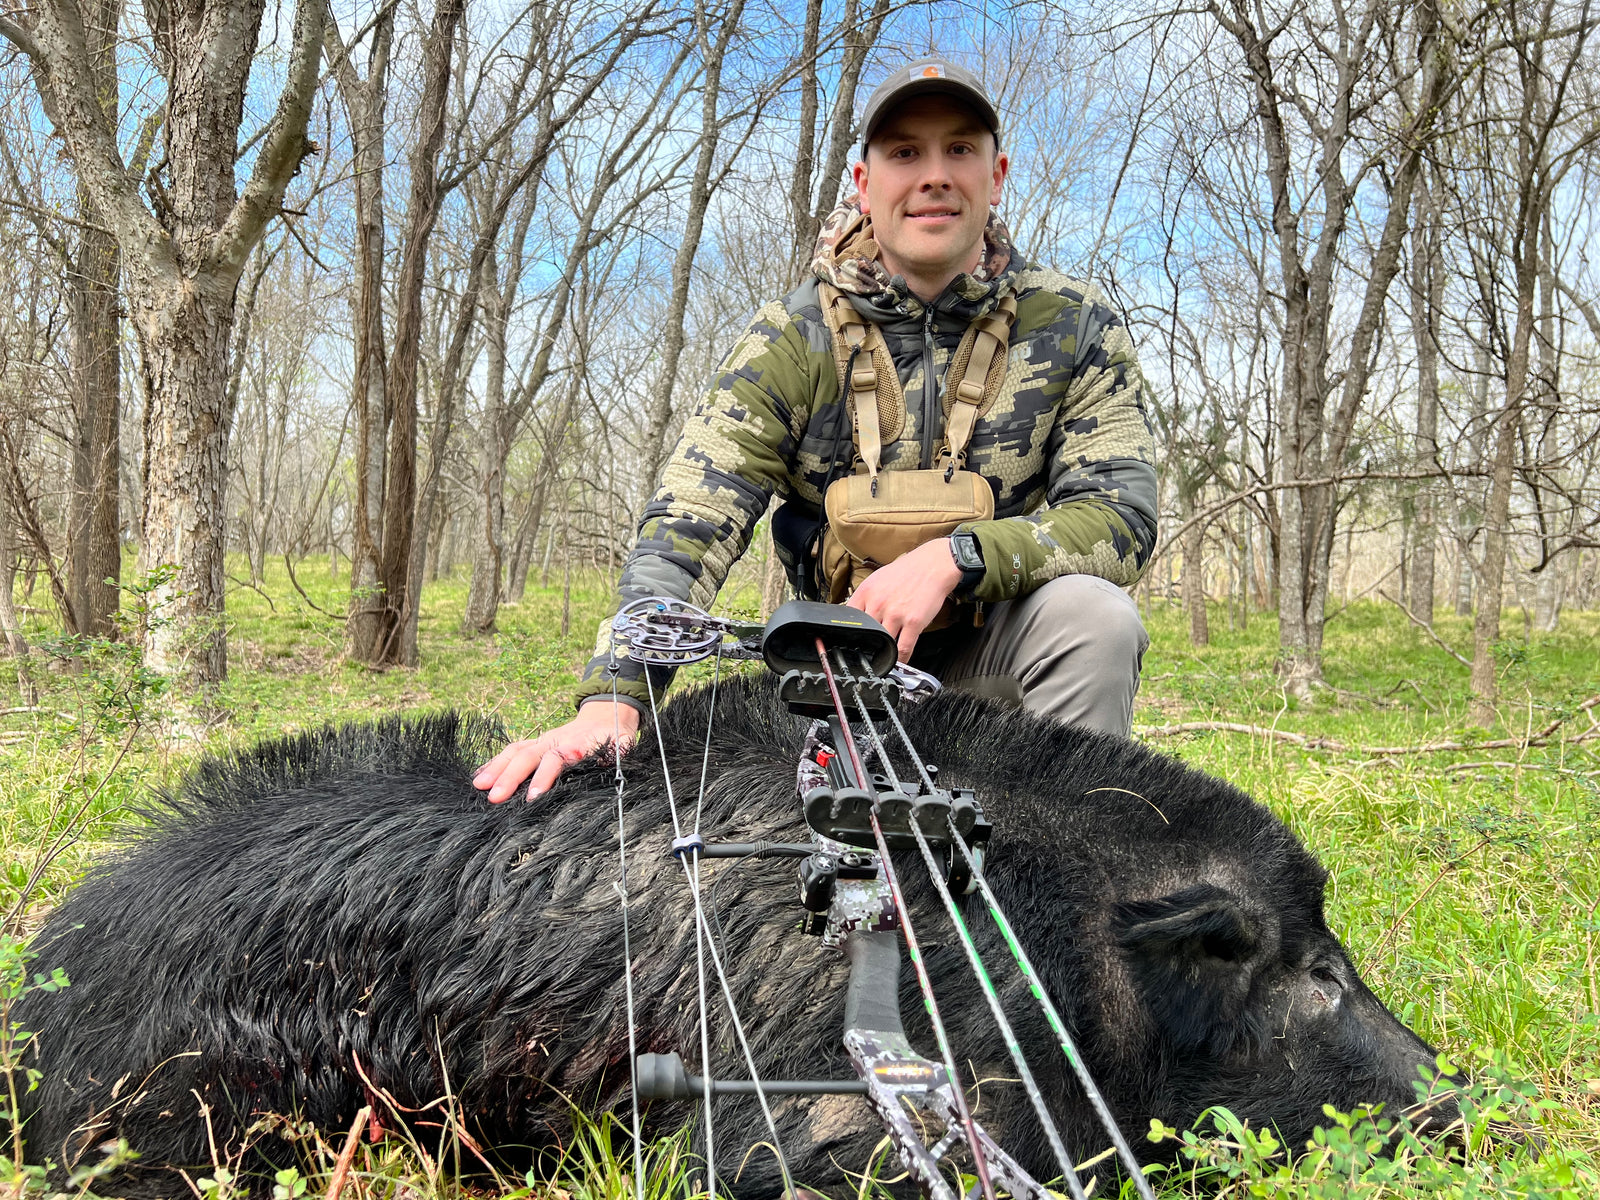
<point>183,342</point>
<point>805,145</point>
<point>1427,298</point>
<point>366,110</point>
<point>12,643</point>
<point>1192,581</point>
<point>427,503</point>
<point>94,528</point>
<point>182,264</point>
<point>1469,510</point>
<point>488,548</point>
<point>400,494</point>
<point>522,553</point>
<point>1496,527</point>
<point>1548,593</point>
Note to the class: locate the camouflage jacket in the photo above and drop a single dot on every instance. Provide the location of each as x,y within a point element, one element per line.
<point>1068,446</point>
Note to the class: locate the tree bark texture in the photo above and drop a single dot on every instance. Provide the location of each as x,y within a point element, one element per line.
<point>1497,515</point>
<point>1469,509</point>
<point>488,547</point>
<point>181,262</point>
<point>12,643</point>
<point>1192,581</point>
<point>1427,300</point>
<point>183,362</point>
<point>94,529</point>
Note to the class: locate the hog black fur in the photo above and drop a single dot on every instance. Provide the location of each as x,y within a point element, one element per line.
<point>346,897</point>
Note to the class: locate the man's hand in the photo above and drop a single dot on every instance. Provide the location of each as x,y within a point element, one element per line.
<point>907,594</point>
<point>597,723</point>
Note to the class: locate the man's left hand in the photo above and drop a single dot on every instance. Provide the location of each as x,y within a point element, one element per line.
<point>907,594</point>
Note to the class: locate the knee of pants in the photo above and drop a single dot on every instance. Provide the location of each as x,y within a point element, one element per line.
<point>1094,608</point>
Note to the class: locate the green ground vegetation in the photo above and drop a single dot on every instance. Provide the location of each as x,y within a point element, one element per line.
<point>1466,882</point>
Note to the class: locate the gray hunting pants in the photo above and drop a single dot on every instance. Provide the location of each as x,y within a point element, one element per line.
<point>1070,648</point>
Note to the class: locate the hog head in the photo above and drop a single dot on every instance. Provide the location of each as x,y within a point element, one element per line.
<point>1257,1008</point>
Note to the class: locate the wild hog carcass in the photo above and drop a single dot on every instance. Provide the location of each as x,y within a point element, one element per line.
<point>339,918</point>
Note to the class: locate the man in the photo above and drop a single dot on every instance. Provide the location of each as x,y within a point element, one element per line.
<point>1066,445</point>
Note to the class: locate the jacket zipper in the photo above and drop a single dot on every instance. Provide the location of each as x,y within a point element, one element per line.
<point>930,388</point>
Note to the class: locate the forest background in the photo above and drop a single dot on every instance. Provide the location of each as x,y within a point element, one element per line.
<point>411,288</point>
<point>336,337</point>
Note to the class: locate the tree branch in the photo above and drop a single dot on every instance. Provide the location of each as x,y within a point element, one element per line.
<point>21,39</point>
<point>1541,738</point>
<point>70,96</point>
<point>285,147</point>
<point>1428,629</point>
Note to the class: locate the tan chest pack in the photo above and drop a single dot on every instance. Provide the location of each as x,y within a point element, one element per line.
<point>875,516</point>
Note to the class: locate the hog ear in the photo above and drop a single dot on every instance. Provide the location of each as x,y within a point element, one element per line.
<point>1191,956</point>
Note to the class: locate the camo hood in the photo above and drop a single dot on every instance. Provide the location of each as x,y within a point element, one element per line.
<point>846,256</point>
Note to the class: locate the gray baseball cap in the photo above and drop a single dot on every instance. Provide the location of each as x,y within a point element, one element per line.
<point>927,76</point>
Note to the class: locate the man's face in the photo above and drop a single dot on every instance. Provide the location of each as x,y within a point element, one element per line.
<point>930,176</point>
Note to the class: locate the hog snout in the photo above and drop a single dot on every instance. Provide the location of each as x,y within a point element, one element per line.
<point>1279,1019</point>
<point>1403,1063</point>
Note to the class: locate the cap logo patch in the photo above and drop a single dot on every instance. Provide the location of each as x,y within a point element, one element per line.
<point>934,71</point>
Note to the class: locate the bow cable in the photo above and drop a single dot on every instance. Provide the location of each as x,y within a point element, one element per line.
<point>703,937</point>
<point>980,1163</point>
<point>1035,985</point>
<point>985,983</point>
<point>621,887</point>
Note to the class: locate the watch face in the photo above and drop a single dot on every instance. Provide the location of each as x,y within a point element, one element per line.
<point>964,548</point>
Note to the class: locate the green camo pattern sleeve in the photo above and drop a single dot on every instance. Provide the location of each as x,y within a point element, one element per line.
<point>1098,515</point>
<point>732,455</point>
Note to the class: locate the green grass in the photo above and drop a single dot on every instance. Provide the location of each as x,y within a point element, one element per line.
<point>1466,884</point>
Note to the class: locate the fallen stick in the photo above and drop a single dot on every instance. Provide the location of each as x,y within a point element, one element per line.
<point>1543,737</point>
<point>341,1169</point>
<point>1519,766</point>
<point>1282,735</point>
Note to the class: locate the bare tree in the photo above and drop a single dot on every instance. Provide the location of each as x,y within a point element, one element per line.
<point>94,533</point>
<point>1427,302</point>
<point>182,253</point>
<point>366,108</point>
<point>713,53</point>
<point>1550,131</point>
<point>422,213</point>
<point>1354,67</point>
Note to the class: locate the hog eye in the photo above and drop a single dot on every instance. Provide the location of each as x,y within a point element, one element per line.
<point>1326,977</point>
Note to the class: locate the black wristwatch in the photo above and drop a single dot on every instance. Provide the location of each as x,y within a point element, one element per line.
<point>968,554</point>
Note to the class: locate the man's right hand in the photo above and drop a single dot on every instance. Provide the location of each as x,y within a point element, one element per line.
<point>598,722</point>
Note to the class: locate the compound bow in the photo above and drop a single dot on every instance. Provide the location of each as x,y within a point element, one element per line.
<point>851,891</point>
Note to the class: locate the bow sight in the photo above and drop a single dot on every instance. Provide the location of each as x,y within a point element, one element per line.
<point>850,891</point>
